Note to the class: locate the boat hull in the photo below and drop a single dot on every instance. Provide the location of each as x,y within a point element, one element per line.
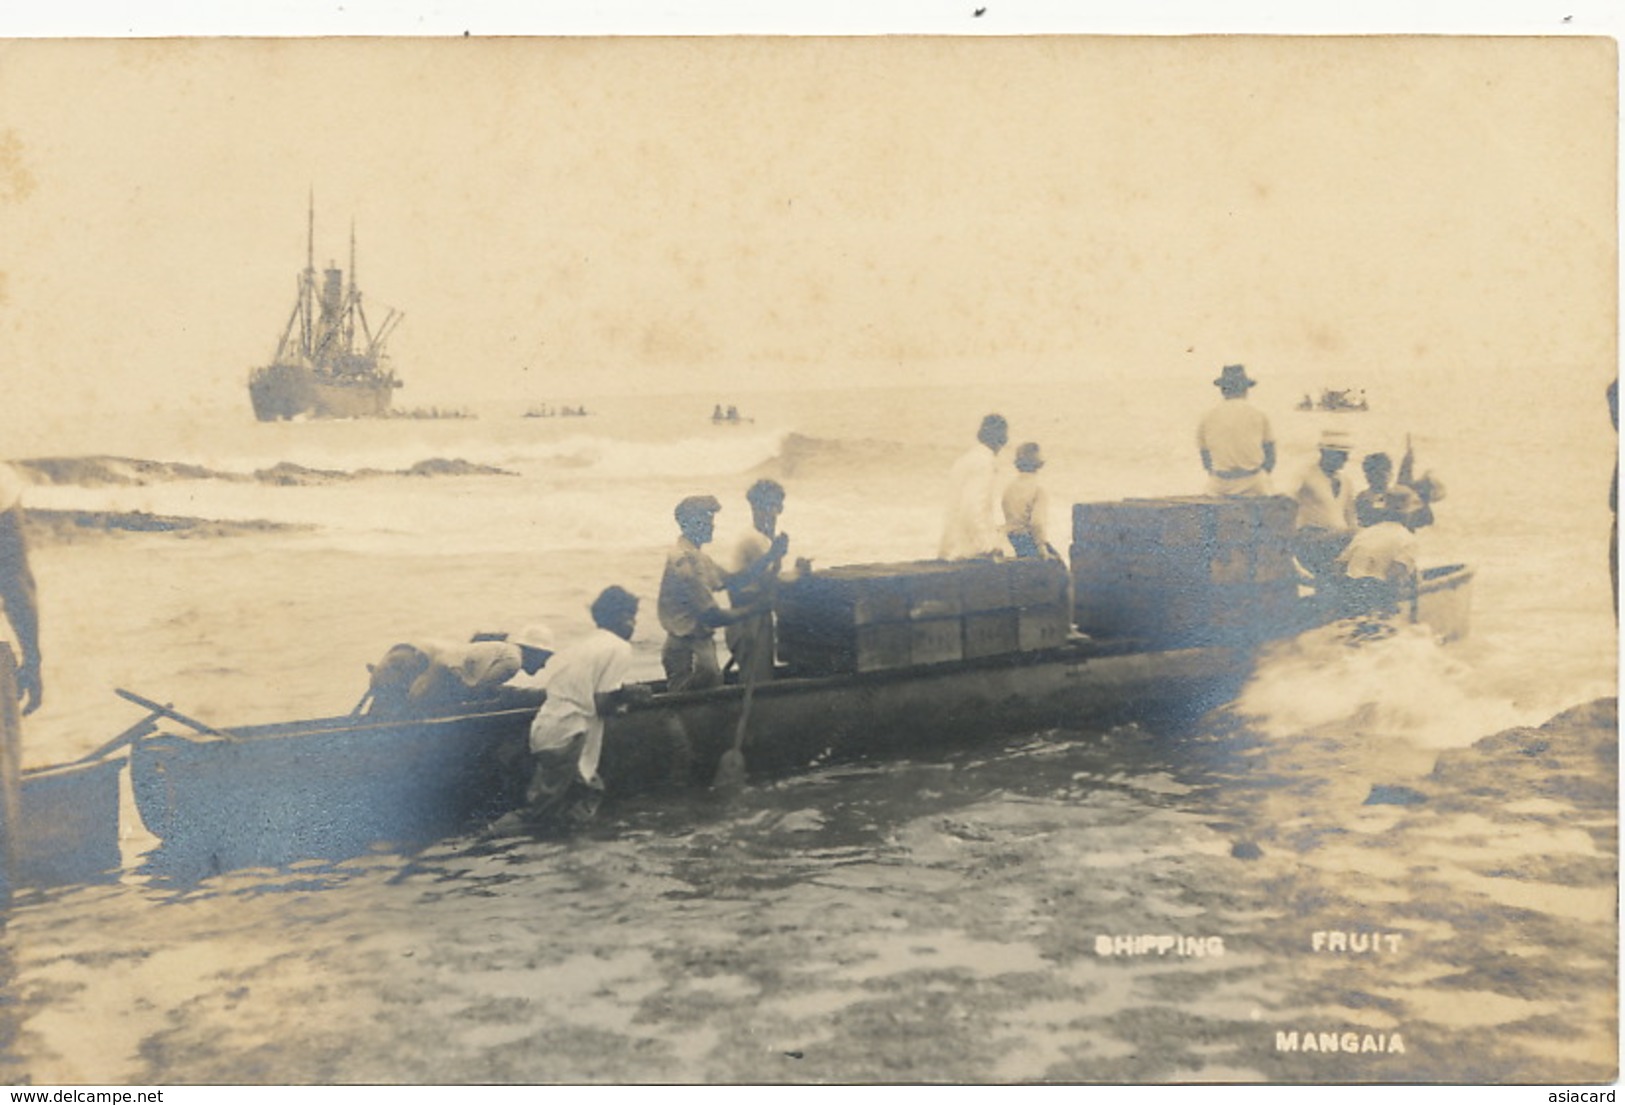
<point>284,391</point>
<point>335,787</point>
<point>69,826</point>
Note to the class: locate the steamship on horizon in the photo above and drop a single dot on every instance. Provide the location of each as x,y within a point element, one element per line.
<point>330,363</point>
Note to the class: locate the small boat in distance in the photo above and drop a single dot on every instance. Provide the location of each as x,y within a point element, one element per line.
<point>543,410</point>
<point>330,363</point>
<point>728,416</point>
<point>1336,399</point>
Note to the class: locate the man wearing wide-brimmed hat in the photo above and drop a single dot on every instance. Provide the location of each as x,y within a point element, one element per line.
<point>1326,518</point>
<point>1235,439</point>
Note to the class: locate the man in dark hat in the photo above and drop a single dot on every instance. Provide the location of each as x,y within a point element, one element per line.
<point>1235,439</point>
<point>688,607</point>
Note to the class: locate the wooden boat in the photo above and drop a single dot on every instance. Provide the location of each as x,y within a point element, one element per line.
<point>334,787</point>
<point>68,826</point>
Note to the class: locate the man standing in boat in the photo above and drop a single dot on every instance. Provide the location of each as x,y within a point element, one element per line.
<point>688,607</point>
<point>971,525</point>
<point>755,569</point>
<point>1235,439</point>
<point>18,681</point>
<point>567,735</point>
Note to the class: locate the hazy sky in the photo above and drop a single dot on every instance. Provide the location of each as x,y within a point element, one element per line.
<point>657,214</point>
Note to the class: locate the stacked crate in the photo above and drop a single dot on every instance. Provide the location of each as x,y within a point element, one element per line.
<point>870,617</point>
<point>1184,571</point>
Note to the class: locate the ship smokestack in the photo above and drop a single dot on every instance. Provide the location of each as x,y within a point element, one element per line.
<point>332,294</point>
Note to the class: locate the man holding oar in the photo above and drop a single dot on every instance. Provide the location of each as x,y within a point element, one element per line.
<point>688,608</point>
<point>755,570</point>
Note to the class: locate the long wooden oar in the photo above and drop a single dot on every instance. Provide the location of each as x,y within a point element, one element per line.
<point>129,736</point>
<point>173,715</point>
<point>731,768</point>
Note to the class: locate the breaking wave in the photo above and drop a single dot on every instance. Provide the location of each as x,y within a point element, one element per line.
<point>107,471</point>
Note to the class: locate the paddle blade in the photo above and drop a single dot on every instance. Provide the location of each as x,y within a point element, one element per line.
<point>730,770</point>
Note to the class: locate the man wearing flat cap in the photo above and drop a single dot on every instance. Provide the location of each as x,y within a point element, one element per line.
<point>1237,445</point>
<point>688,608</point>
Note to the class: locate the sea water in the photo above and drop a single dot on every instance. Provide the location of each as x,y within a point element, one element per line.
<point>937,918</point>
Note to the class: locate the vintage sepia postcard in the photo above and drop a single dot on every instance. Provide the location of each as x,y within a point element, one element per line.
<point>946,557</point>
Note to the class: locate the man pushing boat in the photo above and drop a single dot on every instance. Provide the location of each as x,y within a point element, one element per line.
<point>567,735</point>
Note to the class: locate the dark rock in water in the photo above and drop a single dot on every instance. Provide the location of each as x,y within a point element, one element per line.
<point>439,466</point>
<point>100,471</point>
<point>68,526</point>
<point>1246,849</point>
<point>288,474</point>
<point>1382,795</point>
<point>1572,758</point>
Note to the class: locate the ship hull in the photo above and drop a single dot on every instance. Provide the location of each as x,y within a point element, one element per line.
<point>280,392</point>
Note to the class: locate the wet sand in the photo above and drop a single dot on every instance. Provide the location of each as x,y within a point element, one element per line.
<point>934,920</point>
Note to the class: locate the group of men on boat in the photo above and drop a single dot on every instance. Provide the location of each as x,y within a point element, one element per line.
<point>1358,546</point>
<point>1358,549</point>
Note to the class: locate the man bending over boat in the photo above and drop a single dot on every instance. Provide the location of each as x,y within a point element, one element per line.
<point>567,736</point>
<point>688,607</point>
<point>1379,564</point>
<point>436,679</point>
<point>19,597</point>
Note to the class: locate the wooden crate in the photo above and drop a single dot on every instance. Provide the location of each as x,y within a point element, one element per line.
<point>992,634</point>
<point>1040,627</point>
<point>874,647</point>
<point>936,640</point>
<point>1184,571</point>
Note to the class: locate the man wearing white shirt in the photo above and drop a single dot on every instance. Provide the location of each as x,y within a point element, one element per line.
<point>971,525</point>
<point>567,735</point>
<point>1235,439</point>
<point>1325,519</point>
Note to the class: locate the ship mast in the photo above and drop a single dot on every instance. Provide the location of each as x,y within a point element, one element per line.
<point>355,296</point>
<point>309,282</point>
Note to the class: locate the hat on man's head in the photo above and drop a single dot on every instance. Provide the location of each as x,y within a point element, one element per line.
<point>696,507</point>
<point>1028,458</point>
<point>537,637</point>
<point>1234,376</point>
<point>1430,487</point>
<point>1336,440</point>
